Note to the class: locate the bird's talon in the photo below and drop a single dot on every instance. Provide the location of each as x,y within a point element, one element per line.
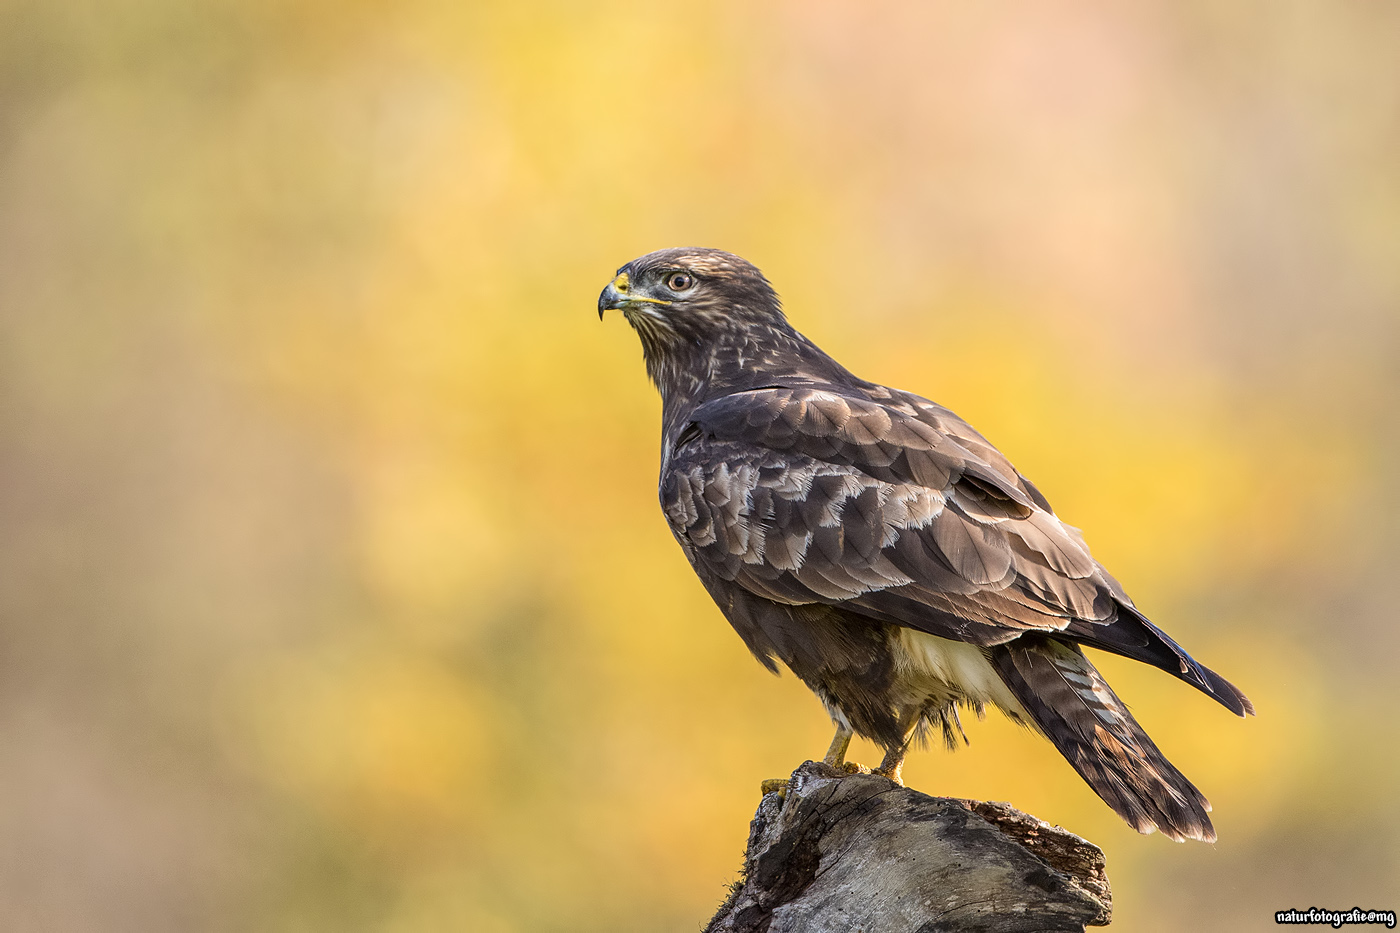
<point>893,775</point>
<point>774,786</point>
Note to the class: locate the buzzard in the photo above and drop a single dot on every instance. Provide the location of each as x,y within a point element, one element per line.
<point>885,551</point>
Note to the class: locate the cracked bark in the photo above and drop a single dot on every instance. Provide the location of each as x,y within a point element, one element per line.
<point>857,852</point>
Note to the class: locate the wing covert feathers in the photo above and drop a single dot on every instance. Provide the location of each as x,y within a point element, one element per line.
<point>889,505</point>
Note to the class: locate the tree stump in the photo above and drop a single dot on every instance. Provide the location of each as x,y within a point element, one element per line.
<point>838,853</point>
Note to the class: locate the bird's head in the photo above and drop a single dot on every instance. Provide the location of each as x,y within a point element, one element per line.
<point>710,322</point>
<point>682,299</point>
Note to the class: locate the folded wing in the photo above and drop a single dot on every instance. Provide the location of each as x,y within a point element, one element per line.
<point>892,507</point>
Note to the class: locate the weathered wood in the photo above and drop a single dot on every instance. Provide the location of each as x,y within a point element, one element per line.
<point>838,852</point>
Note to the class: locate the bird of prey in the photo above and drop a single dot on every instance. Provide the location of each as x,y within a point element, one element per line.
<point>885,551</point>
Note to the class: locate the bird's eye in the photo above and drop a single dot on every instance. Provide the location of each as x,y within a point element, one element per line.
<point>679,281</point>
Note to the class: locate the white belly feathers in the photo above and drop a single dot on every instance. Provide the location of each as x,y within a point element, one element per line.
<point>932,668</point>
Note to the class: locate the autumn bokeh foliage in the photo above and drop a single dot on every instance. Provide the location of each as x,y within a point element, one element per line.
<point>334,590</point>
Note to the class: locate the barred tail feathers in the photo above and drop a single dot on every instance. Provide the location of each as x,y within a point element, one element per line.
<point>1072,704</point>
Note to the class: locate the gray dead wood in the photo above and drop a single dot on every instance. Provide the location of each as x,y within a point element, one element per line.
<point>838,853</point>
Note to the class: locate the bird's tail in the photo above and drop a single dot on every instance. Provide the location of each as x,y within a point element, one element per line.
<point>1069,700</point>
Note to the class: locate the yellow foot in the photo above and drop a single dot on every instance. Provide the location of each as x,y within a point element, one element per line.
<point>893,774</point>
<point>779,785</point>
<point>774,786</point>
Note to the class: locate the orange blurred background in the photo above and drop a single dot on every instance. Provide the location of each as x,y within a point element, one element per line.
<point>334,594</point>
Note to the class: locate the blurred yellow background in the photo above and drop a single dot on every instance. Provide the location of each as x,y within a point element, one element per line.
<point>334,594</point>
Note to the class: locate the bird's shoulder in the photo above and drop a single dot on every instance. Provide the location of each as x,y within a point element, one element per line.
<point>892,435</point>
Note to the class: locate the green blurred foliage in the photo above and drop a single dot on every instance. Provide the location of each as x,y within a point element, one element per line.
<point>335,595</point>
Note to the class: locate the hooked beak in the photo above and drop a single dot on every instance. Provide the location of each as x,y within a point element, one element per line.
<point>619,296</point>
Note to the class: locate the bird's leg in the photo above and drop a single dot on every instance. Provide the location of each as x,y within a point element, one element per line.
<point>893,762</point>
<point>836,754</point>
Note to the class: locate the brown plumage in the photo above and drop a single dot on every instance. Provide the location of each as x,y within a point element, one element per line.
<point>882,549</point>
